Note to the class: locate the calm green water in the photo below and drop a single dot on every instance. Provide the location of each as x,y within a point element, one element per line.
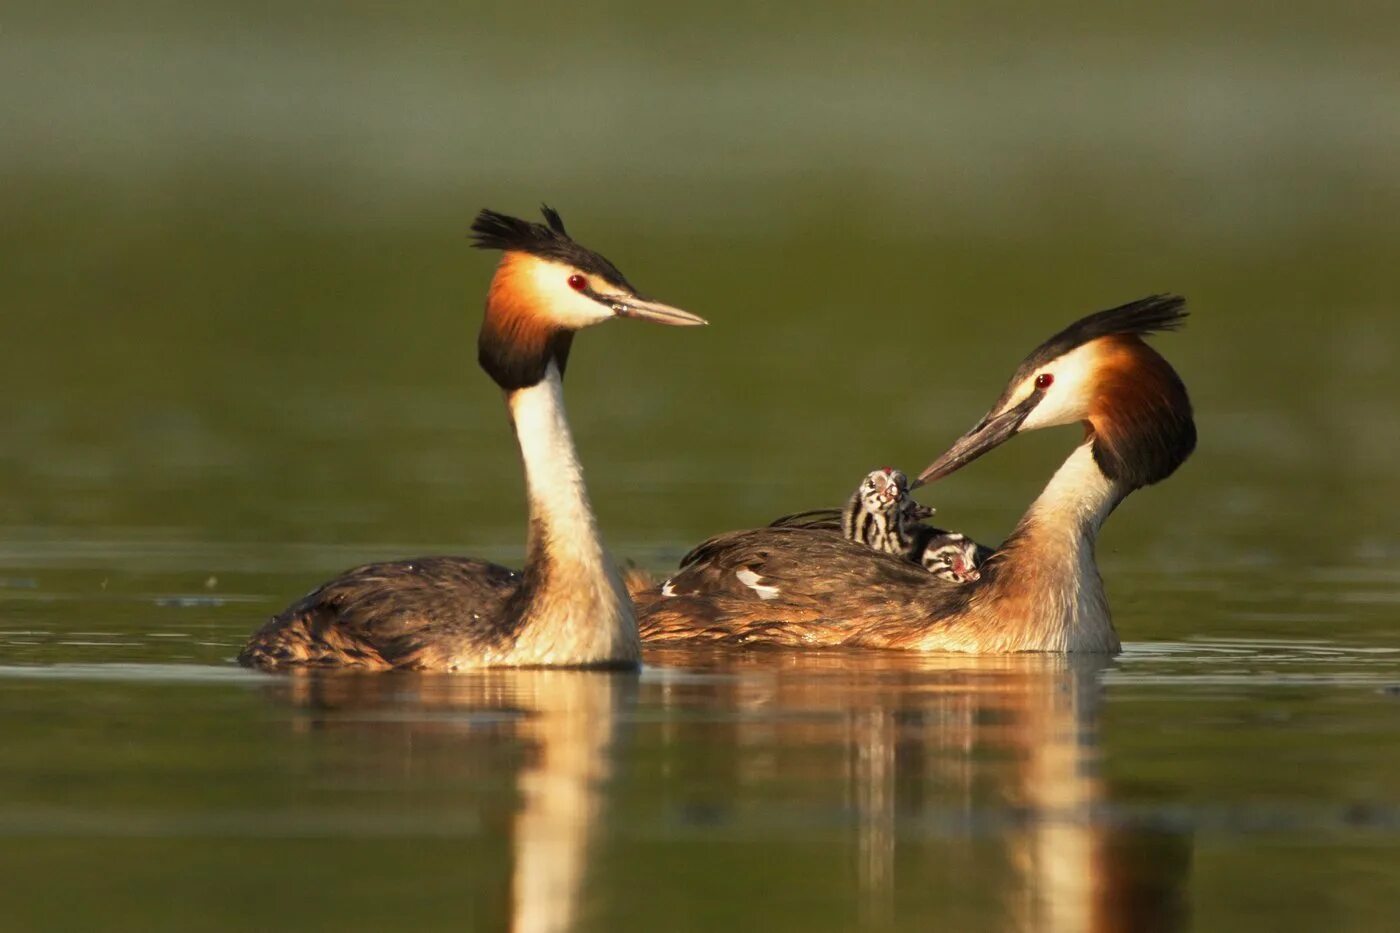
<point>238,356</point>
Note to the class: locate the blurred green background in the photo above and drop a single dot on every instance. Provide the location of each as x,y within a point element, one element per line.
<point>239,313</point>
<point>241,305</point>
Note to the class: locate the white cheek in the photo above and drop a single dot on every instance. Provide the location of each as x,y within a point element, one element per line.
<point>564,305</point>
<point>576,310</point>
<point>1055,408</point>
<point>1067,399</point>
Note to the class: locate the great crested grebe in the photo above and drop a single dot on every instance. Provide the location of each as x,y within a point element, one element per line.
<point>883,516</point>
<point>1040,591</point>
<point>568,606</point>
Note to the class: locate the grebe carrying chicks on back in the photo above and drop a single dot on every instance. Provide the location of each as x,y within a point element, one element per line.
<point>1040,591</point>
<point>569,605</point>
<point>790,584</point>
<point>883,516</point>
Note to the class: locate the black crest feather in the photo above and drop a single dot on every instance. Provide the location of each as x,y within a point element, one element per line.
<point>551,217</point>
<point>1149,315</point>
<point>549,240</point>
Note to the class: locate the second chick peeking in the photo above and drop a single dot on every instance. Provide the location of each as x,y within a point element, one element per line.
<point>882,515</point>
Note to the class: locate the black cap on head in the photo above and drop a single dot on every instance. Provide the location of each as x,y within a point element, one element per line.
<point>1138,318</point>
<point>549,240</point>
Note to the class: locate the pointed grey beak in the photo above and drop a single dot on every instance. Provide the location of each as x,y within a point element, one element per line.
<point>990,432</point>
<point>654,311</point>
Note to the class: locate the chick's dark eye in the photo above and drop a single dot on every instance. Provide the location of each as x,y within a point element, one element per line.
<point>1044,380</point>
<point>577,282</point>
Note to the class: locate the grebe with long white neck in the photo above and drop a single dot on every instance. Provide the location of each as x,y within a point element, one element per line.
<point>1040,591</point>
<point>568,607</point>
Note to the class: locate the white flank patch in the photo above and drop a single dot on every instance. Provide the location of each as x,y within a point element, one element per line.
<point>754,582</point>
<point>668,589</point>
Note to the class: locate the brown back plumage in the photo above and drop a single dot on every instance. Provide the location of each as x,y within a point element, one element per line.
<point>825,590</point>
<point>374,617</point>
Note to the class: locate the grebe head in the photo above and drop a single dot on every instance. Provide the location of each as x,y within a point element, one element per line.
<point>547,287</point>
<point>1100,372</point>
<point>884,489</point>
<point>952,557</point>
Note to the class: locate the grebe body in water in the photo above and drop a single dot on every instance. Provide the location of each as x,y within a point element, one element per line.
<point>568,606</point>
<point>1040,591</point>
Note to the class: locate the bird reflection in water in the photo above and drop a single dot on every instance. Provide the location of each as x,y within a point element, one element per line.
<point>564,718</point>
<point>954,750</point>
<point>959,756</point>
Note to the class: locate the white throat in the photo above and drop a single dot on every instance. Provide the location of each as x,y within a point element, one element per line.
<point>1079,495</point>
<point>579,612</point>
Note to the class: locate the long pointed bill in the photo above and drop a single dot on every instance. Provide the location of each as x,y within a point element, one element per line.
<point>990,432</point>
<point>654,311</point>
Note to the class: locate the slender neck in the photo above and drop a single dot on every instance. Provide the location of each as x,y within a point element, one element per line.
<point>1078,498</point>
<point>559,508</point>
<point>576,610</point>
<point>1047,567</point>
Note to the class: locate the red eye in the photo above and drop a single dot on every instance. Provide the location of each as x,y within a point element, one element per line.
<point>577,282</point>
<point>1044,380</point>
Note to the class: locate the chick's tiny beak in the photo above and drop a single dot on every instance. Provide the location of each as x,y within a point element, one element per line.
<point>645,310</point>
